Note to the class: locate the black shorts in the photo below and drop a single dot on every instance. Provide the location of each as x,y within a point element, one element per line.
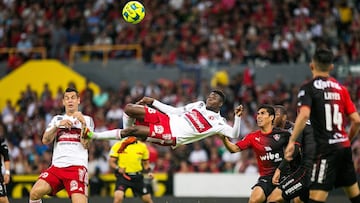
<point>135,182</point>
<point>296,184</point>
<point>265,182</point>
<point>332,170</point>
<point>3,192</point>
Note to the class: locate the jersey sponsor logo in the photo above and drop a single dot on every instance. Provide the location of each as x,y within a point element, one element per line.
<point>159,129</point>
<point>322,170</point>
<point>321,84</point>
<point>268,148</point>
<point>276,137</point>
<point>293,188</point>
<point>73,185</point>
<point>72,135</point>
<point>257,139</point>
<point>337,138</point>
<point>198,121</point>
<point>270,157</point>
<point>288,183</point>
<point>44,175</point>
<point>151,110</point>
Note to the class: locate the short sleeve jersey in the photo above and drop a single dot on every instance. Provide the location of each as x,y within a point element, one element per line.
<point>330,103</point>
<point>269,148</point>
<point>68,150</point>
<point>131,158</point>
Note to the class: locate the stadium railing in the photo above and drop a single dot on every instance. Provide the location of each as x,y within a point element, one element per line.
<point>105,49</point>
<point>12,50</point>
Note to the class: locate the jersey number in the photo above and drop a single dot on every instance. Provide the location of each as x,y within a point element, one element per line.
<point>333,118</point>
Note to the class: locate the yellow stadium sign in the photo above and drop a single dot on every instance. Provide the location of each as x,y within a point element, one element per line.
<point>36,73</point>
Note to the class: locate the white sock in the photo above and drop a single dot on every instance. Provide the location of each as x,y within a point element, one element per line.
<point>35,201</point>
<point>127,121</point>
<point>108,135</point>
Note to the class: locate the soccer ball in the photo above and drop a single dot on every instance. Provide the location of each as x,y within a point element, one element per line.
<point>133,12</point>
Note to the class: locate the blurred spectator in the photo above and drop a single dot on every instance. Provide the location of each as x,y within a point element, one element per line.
<point>24,45</point>
<point>58,41</point>
<point>96,184</point>
<point>198,156</point>
<point>14,61</point>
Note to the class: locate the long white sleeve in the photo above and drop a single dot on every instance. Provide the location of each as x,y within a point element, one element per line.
<point>108,135</point>
<point>236,128</point>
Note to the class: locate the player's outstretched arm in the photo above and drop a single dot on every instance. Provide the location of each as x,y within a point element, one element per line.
<point>231,147</point>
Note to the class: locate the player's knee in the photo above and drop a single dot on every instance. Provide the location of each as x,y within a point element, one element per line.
<point>147,198</point>
<point>118,196</point>
<point>274,199</point>
<point>256,199</point>
<point>36,193</point>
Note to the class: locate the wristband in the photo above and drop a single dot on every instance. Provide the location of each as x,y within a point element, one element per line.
<point>7,172</point>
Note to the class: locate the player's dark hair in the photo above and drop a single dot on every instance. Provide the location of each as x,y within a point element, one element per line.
<point>220,93</point>
<point>71,89</point>
<point>323,58</point>
<point>269,108</point>
<point>282,109</point>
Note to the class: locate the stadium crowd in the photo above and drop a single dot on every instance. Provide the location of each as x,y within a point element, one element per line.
<point>201,32</point>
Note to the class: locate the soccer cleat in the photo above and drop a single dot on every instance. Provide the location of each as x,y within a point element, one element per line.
<point>126,142</point>
<point>86,133</point>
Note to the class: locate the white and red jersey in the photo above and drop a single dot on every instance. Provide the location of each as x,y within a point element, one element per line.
<point>194,122</point>
<point>68,151</point>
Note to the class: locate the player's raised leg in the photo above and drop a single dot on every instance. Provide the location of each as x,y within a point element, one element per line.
<point>139,131</point>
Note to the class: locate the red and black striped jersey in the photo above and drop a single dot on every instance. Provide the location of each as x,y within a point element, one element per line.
<point>330,104</point>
